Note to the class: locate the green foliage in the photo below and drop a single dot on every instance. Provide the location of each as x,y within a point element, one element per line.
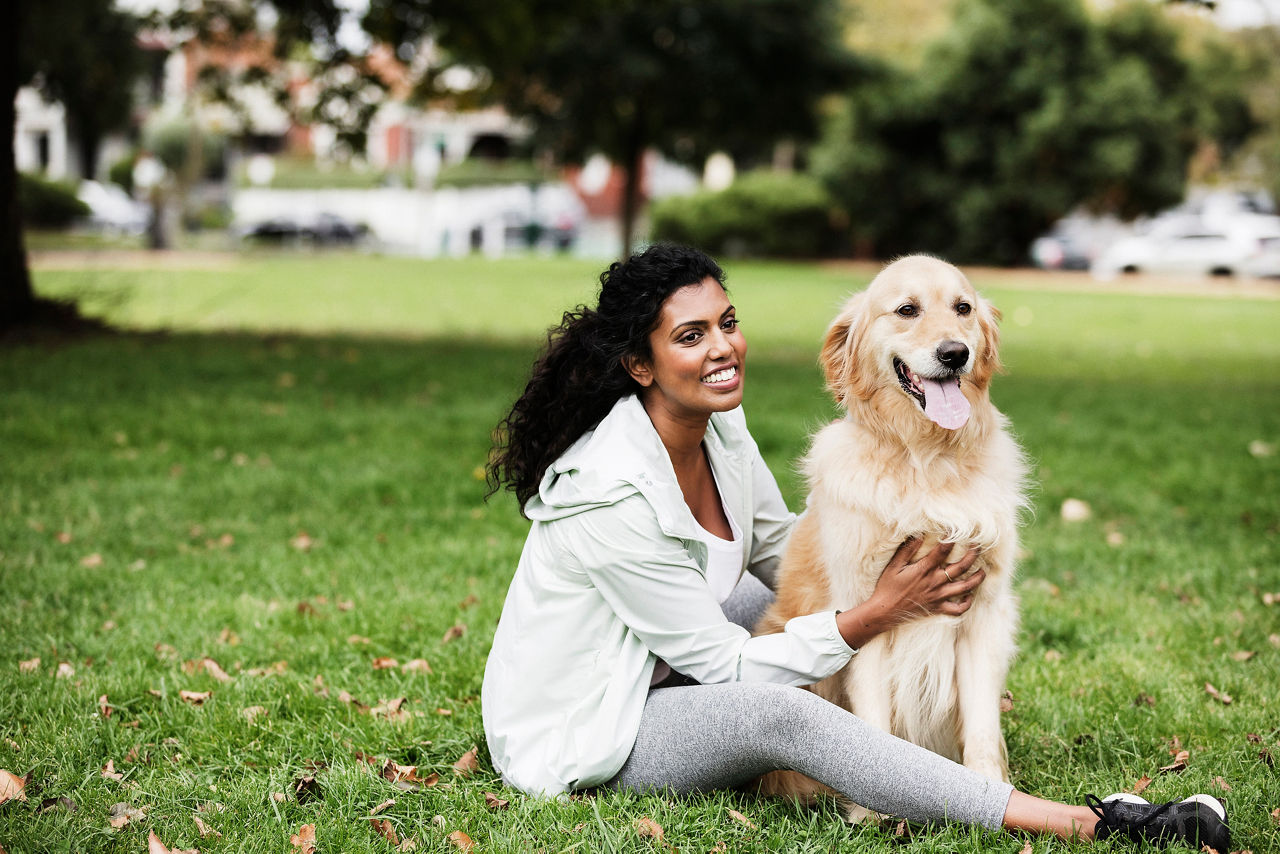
<point>482,172</point>
<point>191,462</point>
<point>181,148</point>
<point>48,204</point>
<point>762,214</point>
<point>306,173</point>
<point>1024,110</point>
<point>121,172</point>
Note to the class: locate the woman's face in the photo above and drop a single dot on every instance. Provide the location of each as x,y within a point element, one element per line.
<point>698,354</point>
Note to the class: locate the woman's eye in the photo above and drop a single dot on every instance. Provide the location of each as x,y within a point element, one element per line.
<point>730,324</point>
<point>908,310</point>
<point>963,308</point>
<point>690,337</point>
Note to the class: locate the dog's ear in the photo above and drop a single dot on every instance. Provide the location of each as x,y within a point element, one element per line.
<point>839,357</point>
<point>989,362</point>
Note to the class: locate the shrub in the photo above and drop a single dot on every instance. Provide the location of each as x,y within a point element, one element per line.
<point>482,172</point>
<point>48,204</point>
<point>763,214</point>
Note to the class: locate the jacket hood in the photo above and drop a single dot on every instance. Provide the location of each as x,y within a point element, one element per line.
<point>619,457</point>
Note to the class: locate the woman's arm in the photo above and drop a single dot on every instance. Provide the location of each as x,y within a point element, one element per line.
<point>907,590</point>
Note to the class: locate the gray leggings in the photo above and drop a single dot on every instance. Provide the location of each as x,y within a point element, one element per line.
<point>695,738</point>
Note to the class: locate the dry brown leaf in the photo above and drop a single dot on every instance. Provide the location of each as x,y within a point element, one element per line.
<point>391,710</point>
<point>1026,848</point>
<point>648,828</point>
<point>385,663</point>
<point>63,537</point>
<point>742,819</point>
<point>1221,784</point>
<point>121,814</point>
<point>494,802</point>
<point>305,839</point>
<point>418,665</point>
<point>454,632</point>
<point>65,670</point>
<point>467,763</point>
<point>302,542</point>
<point>12,787</point>
<point>358,639</point>
<point>104,707</point>
<point>31,665</point>
<point>444,713</point>
<point>53,803</point>
<point>1274,640</point>
<point>1221,696</point>
<point>279,797</point>
<point>405,777</point>
<point>228,637</point>
<point>252,712</point>
<point>1006,701</point>
<point>205,830</point>
<point>1179,764</point>
<point>207,665</point>
<point>1052,655</point>
<point>1142,784</point>
<point>109,771</point>
<point>276,668</point>
<point>155,846</point>
<point>469,601</point>
<point>383,828</point>
<point>1242,655</point>
<point>461,841</point>
<point>409,844</point>
<point>91,560</point>
<point>195,698</point>
<point>1275,815</point>
<point>382,806</point>
<point>164,651</point>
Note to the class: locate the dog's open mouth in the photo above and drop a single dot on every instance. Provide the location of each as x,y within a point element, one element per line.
<point>941,399</point>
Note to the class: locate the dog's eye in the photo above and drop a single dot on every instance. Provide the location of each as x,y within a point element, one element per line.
<point>907,310</point>
<point>963,308</point>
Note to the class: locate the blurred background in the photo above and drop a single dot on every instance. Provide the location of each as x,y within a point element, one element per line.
<point>1117,136</point>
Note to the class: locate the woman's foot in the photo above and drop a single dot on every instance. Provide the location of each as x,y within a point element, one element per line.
<point>1198,821</point>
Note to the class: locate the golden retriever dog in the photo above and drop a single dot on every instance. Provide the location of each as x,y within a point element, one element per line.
<point>920,451</point>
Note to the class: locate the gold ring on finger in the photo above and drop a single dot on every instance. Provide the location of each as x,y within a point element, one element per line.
<point>948,575</point>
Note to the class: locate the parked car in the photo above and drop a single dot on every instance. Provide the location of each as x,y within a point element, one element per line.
<point>1266,263</point>
<point>1060,251</point>
<point>1185,244</point>
<point>325,229</point>
<point>111,209</point>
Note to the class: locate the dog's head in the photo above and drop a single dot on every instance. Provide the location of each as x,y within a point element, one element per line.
<point>918,336</point>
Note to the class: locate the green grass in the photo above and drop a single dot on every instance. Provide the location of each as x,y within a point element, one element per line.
<point>350,398</point>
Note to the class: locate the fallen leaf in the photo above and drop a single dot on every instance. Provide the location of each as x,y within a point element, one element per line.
<point>65,670</point>
<point>1075,510</point>
<point>382,806</point>
<point>1222,784</point>
<point>454,632</point>
<point>383,828</point>
<point>1259,448</point>
<point>385,663</point>
<point>1274,640</point>
<point>305,839</point>
<point>164,651</point>
<point>109,626</point>
<point>742,819</point>
<point>252,712</point>
<point>1242,655</point>
<point>104,707</point>
<point>1026,848</point>
<point>648,828</point>
<point>228,637</point>
<point>63,537</point>
<point>391,710</point>
<point>408,845</point>
<point>405,777</point>
<point>461,841</point>
<point>358,639</point>
<point>305,607</point>
<point>31,665</point>
<point>418,665</point>
<point>318,687</point>
<point>1144,699</point>
<point>155,846</point>
<point>467,763</point>
<point>1220,696</point>
<point>91,560</point>
<point>109,771</point>
<point>1142,784</point>
<point>444,713</point>
<point>53,803</point>
<point>306,789</point>
<point>132,756</point>
<point>274,669</point>
<point>1052,655</point>
<point>205,830</point>
<point>471,599</point>
<point>494,802</point>
<point>302,542</point>
<point>1179,763</point>
<point>12,786</point>
<point>1006,701</point>
<point>1275,815</point>
<point>438,821</point>
<point>121,814</point>
<point>279,797</point>
<point>207,665</point>
<point>195,698</point>
<point>1270,598</point>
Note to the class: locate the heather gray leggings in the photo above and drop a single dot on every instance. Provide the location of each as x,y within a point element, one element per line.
<point>700,737</point>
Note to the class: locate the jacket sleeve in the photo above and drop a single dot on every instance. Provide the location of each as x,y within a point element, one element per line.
<point>772,525</point>
<point>658,592</point>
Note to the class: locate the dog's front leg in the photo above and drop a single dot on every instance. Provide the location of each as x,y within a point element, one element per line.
<point>983,652</point>
<point>866,687</point>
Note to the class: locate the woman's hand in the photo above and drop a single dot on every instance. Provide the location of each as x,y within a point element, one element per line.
<point>907,590</point>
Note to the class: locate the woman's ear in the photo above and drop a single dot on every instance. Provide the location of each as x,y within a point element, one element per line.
<point>639,370</point>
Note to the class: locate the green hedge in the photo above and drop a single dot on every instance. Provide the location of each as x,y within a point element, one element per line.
<point>48,204</point>
<point>762,214</point>
<point>480,172</point>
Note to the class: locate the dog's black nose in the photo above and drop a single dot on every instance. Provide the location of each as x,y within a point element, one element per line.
<point>953,354</point>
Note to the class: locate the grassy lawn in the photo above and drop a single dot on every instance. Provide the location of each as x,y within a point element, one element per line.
<point>285,483</point>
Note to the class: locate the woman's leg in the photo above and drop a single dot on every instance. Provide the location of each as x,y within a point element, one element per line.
<point>705,737</point>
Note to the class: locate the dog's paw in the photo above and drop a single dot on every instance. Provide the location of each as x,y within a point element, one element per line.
<point>992,769</point>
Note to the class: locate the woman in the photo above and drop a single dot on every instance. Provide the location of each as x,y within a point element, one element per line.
<point>624,658</point>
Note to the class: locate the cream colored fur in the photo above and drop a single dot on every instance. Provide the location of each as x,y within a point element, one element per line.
<point>886,472</point>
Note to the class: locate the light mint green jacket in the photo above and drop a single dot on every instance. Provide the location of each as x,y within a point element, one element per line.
<point>612,579</point>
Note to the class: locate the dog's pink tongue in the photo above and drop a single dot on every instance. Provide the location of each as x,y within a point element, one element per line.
<point>944,404</point>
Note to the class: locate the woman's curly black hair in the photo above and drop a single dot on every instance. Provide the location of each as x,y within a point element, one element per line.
<point>580,375</point>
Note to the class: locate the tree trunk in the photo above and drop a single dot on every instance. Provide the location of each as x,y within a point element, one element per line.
<point>17,300</point>
<point>633,173</point>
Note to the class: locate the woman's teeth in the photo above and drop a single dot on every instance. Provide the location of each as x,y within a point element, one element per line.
<point>720,376</point>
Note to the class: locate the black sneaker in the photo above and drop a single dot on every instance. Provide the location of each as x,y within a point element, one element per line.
<point>1198,821</point>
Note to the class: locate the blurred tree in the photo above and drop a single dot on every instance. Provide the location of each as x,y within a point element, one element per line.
<point>685,77</point>
<point>1024,110</point>
<point>82,53</point>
